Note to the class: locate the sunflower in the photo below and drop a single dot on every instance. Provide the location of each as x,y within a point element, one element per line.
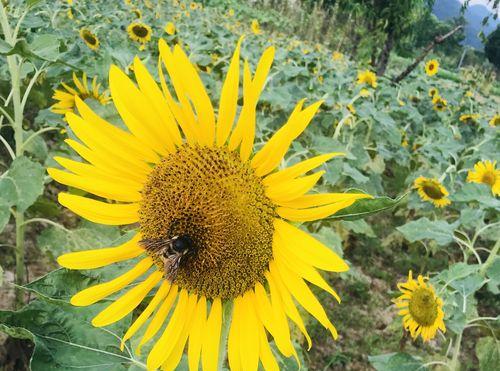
<point>193,6</point>
<point>421,308</point>
<point>337,56</point>
<point>364,93</point>
<point>439,103</point>
<point>431,67</point>
<point>137,13</point>
<point>495,120</point>
<point>255,27</point>
<point>169,28</point>
<point>89,38</point>
<point>432,190</point>
<point>367,77</point>
<point>485,172</point>
<point>469,118</point>
<point>230,13</point>
<point>139,32</point>
<point>66,98</point>
<point>433,92</point>
<point>191,182</point>
<point>351,109</point>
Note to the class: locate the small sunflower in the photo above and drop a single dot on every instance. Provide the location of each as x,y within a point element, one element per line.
<point>469,94</point>
<point>137,13</point>
<point>401,103</point>
<point>230,13</point>
<point>420,307</point>
<point>367,77</point>
<point>431,67</point>
<point>66,98</point>
<point>433,92</point>
<point>169,28</point>
<point>89,38</point>
<point>495,120</point>
<point>439,103</point>
<point>193,6</point>
<point>255,27</point>
<point>351,109</point>
<point>191,182</point>
<point>469,118</point>
<point>432,190</point>
<point>364,93</point>
<point>337,56</point>
<point>485,172</point>
<point>139,32</point>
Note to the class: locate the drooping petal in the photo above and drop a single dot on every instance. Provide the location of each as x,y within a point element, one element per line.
<point>100,212</point>
<point>306,215</point>
<point>210,347</point>
<point>96,258</point>
<point>322,199</point>
<point>95,293</point>
<point>128,302</point>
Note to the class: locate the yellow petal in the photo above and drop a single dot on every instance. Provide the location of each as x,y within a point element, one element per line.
<point>90,259</point>
<point>211,344</point>
<point>97,186</point>
<point>100,212</point>
<point>301,244</point>
<point>229,98</point>
<point>292,189</point>
<point>298,169</point>
<point>196,334</point>
<point>159,317</point>
<point>249,335</point>
<point>127,302</point>
<point>320,199</point>
<point>233,341</point>
<point>146,313</point>
<point>305,215</point>
<point>95,293</point>
<point>266,355</point>
<point>269,157</point>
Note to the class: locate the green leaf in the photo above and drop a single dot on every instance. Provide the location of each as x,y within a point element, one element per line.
<point>24,181</point>
<point>330,239</point>
<point>4,214</point>
<point>423,228</point>
<point>457,271</point>
<point>493,273</point>
<point>488,353</point>
<point>64,337</point>
<point>481,193</point>
<point>396,362</point>
<point>468,285</point>
<point>367,206</point>
<point>359,227</point>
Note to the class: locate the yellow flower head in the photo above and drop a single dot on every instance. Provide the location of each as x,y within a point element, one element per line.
<point>431,67</point>
<point>69,13</point>
<point>433,92</point>
<point>89,38</point>
<point>169,28</point>
<point>337,56</point>
<point>139,32</point>
<point>469,94</point>
<point>193,6</point>
<point>401,103</point>
<point>137,13</point>
<point>351,109</point>
<point>440,104</point>
<point>495,120</point>
<point>367,77</point>
<point>364,93</point>
<point>230,12</point>
<point>432,190</point>
<point>255,27</point>
<point>66,98</point>
<point>469,118</point>
<point>420,307</point>
<point>486,172</point>
<point>215,220</point>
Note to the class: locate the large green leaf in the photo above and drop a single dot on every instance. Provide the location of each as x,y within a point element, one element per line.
<point>488,353</point>
<point>367,206</point>
<point>423,229</point>
<point>396,362</point>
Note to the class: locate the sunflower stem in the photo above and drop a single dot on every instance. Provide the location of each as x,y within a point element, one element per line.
<point>227,311</point>
<point>491,258</point>
<point>454,365</point>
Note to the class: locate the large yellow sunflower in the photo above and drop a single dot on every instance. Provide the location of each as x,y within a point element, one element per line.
<point>367,77</point>
<point>485,172</point>
<point>139,32</point>
<point>432,190</point>
<point>214,218</point>
<point>421,308</point>
<point>89,38</point>
<point>432,67</point>
<point>66,98</point>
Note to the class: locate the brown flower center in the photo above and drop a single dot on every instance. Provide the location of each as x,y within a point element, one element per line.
<point>140,31</point>
<point>433,191</point>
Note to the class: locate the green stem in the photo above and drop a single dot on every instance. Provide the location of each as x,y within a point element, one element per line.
<point>454,365</point>
<point>491,258</point>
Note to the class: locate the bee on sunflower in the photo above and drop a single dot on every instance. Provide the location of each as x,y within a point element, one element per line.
<point>469,118</point>
<point>139,32</point>
<point>431,67</point>
<point>420,307</point>
<point>89,38</point>
<point>432,190</point>
<point>440,104</point>
<point>66,98</point>
<point>214,219</point>
<point>367,77</point>
<point>495,121</point>
<point>485,172</point>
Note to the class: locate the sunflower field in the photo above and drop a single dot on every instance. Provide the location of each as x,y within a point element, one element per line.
<point>189,185</point>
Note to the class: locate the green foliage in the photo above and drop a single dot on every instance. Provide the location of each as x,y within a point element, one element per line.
<point>492,47</point>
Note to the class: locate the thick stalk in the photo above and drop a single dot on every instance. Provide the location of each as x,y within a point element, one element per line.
<point>454,365</point>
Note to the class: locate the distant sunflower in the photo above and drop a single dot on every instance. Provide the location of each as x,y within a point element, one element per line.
<point>433,92</point>
<point>495,120</point>
<point>169,28</point>
<point>440,104</point>
<point>137,13</point>
<point>89,38</point>
<point>193,6</point>
<point>337,56</point>
<point>255,27</point>
<point>367,77</point>
<point>431,67</point>
<point>469,118</point>
<point>66,98</point>
<point>139,32</point>
<point>364,93</point>
<point>421,308</point>
<point>432,190</point>
<point>191,181</point>
<point>485,172</point>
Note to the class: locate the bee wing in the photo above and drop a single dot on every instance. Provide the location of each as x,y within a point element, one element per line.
<point>172,266</point>
<point>156,244</point>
